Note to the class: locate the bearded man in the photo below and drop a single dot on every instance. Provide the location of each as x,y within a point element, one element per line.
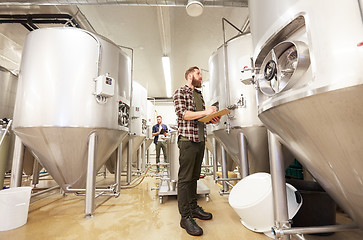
<point>189,107</point>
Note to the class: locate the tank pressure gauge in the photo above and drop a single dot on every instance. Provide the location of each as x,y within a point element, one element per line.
<point>105,86</point>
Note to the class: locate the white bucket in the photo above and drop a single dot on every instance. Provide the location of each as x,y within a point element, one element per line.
<point>251,198</point>
<point>14,206</point>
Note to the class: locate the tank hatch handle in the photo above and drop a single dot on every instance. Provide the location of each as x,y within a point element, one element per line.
<point>270,70</point>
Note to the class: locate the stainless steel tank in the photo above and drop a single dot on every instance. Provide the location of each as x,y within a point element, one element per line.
<point>8,86</point>
<point>72,83</point>
<point>137,126</point>
<point>227,91</point>
<point>4,149</point>
<point>308,56</point>
<point>209,127</point>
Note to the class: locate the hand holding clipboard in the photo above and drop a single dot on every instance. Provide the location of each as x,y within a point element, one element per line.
<point>220,113</point>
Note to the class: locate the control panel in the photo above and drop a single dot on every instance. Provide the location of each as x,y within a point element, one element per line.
<point>105,86</point>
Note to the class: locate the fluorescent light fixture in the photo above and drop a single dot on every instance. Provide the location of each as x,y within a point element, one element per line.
<point>167,74</point>
<point>194,8</point>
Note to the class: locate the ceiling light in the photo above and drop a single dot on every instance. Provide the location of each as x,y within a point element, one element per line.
<point>167,74</point>
<point>194,8</point>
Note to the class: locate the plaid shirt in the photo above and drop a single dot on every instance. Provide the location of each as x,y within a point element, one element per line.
<point>184,101</point>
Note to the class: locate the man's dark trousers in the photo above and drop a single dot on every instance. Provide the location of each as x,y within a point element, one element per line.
<point>190,160</point>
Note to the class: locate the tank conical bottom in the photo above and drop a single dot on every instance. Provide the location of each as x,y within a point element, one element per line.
<point>325,132</point>
<point>63,150</point>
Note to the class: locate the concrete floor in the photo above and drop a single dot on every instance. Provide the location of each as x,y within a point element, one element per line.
<point>136,214</point>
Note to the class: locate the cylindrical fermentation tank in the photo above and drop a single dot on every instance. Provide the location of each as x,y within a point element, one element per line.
<point>227,91</point>
<point>209,127</point>
<point>308,56</point>
<point>8,85</point>
<point>72,83</point>
<point>137,126</point>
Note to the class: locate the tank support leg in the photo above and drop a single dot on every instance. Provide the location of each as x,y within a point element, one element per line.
<point>129,161</point>
<point>91,176</point>
<point>215,162</point>
<point>139,160</point>
<point>18,160</point>
<point>242,143</point>
<point>36,170</point>
<point>118,168</point>
<point>278,184</point>
<point>224,169</point>
<point>143,161</point>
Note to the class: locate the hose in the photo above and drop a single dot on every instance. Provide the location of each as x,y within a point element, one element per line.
<point>142,179</point>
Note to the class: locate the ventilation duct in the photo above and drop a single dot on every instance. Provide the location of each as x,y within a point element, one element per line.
<point>206,3</point>
<point>29,21</point>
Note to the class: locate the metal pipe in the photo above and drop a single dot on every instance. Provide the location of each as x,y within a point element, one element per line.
<point>18,161</point>
<point>6,131</point>
<point>360,6</point>
<point>29,20</point>
<point>118,168</point>
<point>143,162</point>
<point>99,194</point>
<point>319,229</point>
<point>129,160</point>
<point>226,77</point>
<point>132,63</point>
<point>227,179</point>
<point>300,237</point>
<point>74,190</point>
<point>242,143</point>
<point>229,184</point>
<point>148,156</point>
<point>27,26</point>
<point>91,175</point>
<point>224,169</point>
<point>99,51</point>
<point>206,158</point>
<point>44,191</point>
<point>278,184</point>
<point>107,194</point>
<point>35,172</point>
<point>215,162</point>
<point>246,25</point>
<point>138,162</point>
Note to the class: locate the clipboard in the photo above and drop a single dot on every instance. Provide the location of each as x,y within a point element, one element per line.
<point>207,119</point>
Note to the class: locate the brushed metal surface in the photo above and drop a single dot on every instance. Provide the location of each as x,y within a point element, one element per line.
<point>320,117</point>
<point>63,151</point>
<point>325,132</point>
<point>56,109</point>
<point>56,82</point>
<point>8,86</point>
<point>257,146</point>
<point>241,98</point>
<point>137,141</point>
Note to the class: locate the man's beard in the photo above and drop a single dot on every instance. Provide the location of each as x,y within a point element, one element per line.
<point>196,83</point>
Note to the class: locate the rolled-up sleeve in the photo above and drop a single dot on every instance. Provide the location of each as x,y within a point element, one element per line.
<point>179,104</point>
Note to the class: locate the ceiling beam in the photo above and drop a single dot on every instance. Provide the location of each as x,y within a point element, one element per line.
<point>206,3</point>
